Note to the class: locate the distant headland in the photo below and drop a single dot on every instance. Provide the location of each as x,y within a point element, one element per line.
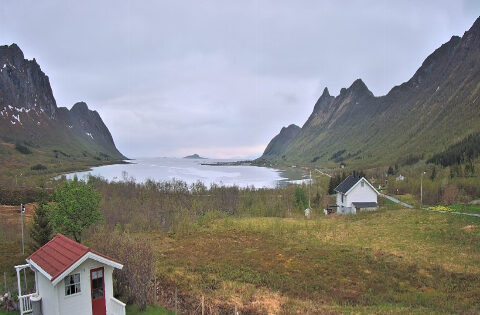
<point>195,156</point>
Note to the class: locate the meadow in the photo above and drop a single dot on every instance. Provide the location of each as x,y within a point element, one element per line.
<point>389,261</point>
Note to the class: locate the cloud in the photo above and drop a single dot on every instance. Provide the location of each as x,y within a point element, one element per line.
<point>221,78</point>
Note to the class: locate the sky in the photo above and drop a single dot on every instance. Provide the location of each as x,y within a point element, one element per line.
<point>221,78</point>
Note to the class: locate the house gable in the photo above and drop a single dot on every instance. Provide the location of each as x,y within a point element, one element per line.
<point>61,255</point>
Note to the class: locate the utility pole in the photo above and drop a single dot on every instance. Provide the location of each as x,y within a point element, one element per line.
<point>309,189</point>
<point>421,190</point>
<point>22,210</point>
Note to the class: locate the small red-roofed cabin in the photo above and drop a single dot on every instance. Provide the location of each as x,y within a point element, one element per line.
<point>71,279</point>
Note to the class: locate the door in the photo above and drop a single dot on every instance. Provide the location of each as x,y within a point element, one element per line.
<point>98,291</point>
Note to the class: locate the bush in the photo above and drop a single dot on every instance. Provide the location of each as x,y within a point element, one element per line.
<point>22,149</point>
<point>38,167</point>
<point>133,282</point>
<point>301,199</point>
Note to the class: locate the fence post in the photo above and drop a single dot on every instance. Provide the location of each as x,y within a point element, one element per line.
<point>235,309</point>
<point>175,300</point>
<point>203,305</point>
<point>155,289</point>
<point>5,281</point>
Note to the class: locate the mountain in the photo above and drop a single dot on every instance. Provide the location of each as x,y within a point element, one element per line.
<point>280,142</point>
<point>435,109</point>
<point>29,117</point>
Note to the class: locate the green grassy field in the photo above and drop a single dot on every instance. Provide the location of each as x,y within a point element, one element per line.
<point>151,310</point>
<point>389,261</point>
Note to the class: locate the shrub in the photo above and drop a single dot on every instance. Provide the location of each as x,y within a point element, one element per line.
<point>134,281</point>
<point>22,149</point>
<point>38,167</point>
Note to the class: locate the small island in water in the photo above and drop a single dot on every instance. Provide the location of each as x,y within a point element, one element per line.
<point>194,156</point>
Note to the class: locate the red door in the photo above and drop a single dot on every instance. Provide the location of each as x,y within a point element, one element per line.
<point>98,291</point>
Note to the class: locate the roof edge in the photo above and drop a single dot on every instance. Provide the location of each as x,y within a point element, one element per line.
<point>40,269</point>
<point>88,255</point>
<point>371,186</point>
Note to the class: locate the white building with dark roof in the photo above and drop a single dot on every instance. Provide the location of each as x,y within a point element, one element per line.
<point>355,194</point>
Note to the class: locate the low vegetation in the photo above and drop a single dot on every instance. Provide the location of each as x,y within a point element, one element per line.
<point>253,249</point>
<point>402,261</point>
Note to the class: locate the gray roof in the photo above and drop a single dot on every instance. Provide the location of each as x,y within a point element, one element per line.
<point>348,183</point>
<point>365,204</point>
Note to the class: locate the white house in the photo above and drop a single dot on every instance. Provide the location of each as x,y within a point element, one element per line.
<point>355,194</point>
<point>70,278</point>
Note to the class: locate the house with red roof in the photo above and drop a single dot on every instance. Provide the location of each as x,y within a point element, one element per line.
<point>70,278</point>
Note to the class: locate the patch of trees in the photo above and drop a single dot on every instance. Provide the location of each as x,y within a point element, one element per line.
<point>335,181</point>
<point>462,152</point>
<point>17,195</point>
<point>38,167</point>
<point>59,152</point>
<point>411,159</point>
<point>22,149</point>
<point>337,156</point>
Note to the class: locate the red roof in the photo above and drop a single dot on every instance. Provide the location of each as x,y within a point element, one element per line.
<point>59,254</point>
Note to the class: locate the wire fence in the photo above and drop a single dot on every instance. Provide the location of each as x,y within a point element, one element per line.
<point>171,298</point>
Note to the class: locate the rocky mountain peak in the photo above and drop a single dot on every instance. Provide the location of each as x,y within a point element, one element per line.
<point>12,55</point>
<point>325,93</point>
<point>359,88</point>
<point>325,98</point>
<point>23,84</point>
<point>80,108</point>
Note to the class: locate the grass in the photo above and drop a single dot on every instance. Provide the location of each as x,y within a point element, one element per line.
<point>151,310</point>
<point>4,312</point>
<point>396,261</point>
<point>408,199</point>
<point>466,208</point>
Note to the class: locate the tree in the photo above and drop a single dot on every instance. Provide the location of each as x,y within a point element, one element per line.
<point>301,199</point>
<point>41,230</point>
<point>75,208</point>
<point>390,171</point>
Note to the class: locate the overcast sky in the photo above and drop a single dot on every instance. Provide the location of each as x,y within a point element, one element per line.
<point>220,78</point>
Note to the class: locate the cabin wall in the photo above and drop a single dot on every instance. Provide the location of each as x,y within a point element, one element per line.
<point>48,294</point>
<point>81,303</point>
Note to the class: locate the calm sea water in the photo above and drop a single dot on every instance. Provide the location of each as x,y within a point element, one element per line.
<point>191,171</point>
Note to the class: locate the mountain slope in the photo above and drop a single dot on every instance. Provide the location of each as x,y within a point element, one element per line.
<point>29,117</point>
<point>280,142</point>
<point>437,107</point>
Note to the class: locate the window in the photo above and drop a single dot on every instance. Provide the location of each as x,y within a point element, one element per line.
<point>362,183</point>
<point>342,198</point>
<point>72,284</point>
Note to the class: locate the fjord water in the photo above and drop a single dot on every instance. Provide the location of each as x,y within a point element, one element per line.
<point>189,171</point>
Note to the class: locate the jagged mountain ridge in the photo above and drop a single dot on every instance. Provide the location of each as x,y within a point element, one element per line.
<point>29,113</point>
<point>437,107</point>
